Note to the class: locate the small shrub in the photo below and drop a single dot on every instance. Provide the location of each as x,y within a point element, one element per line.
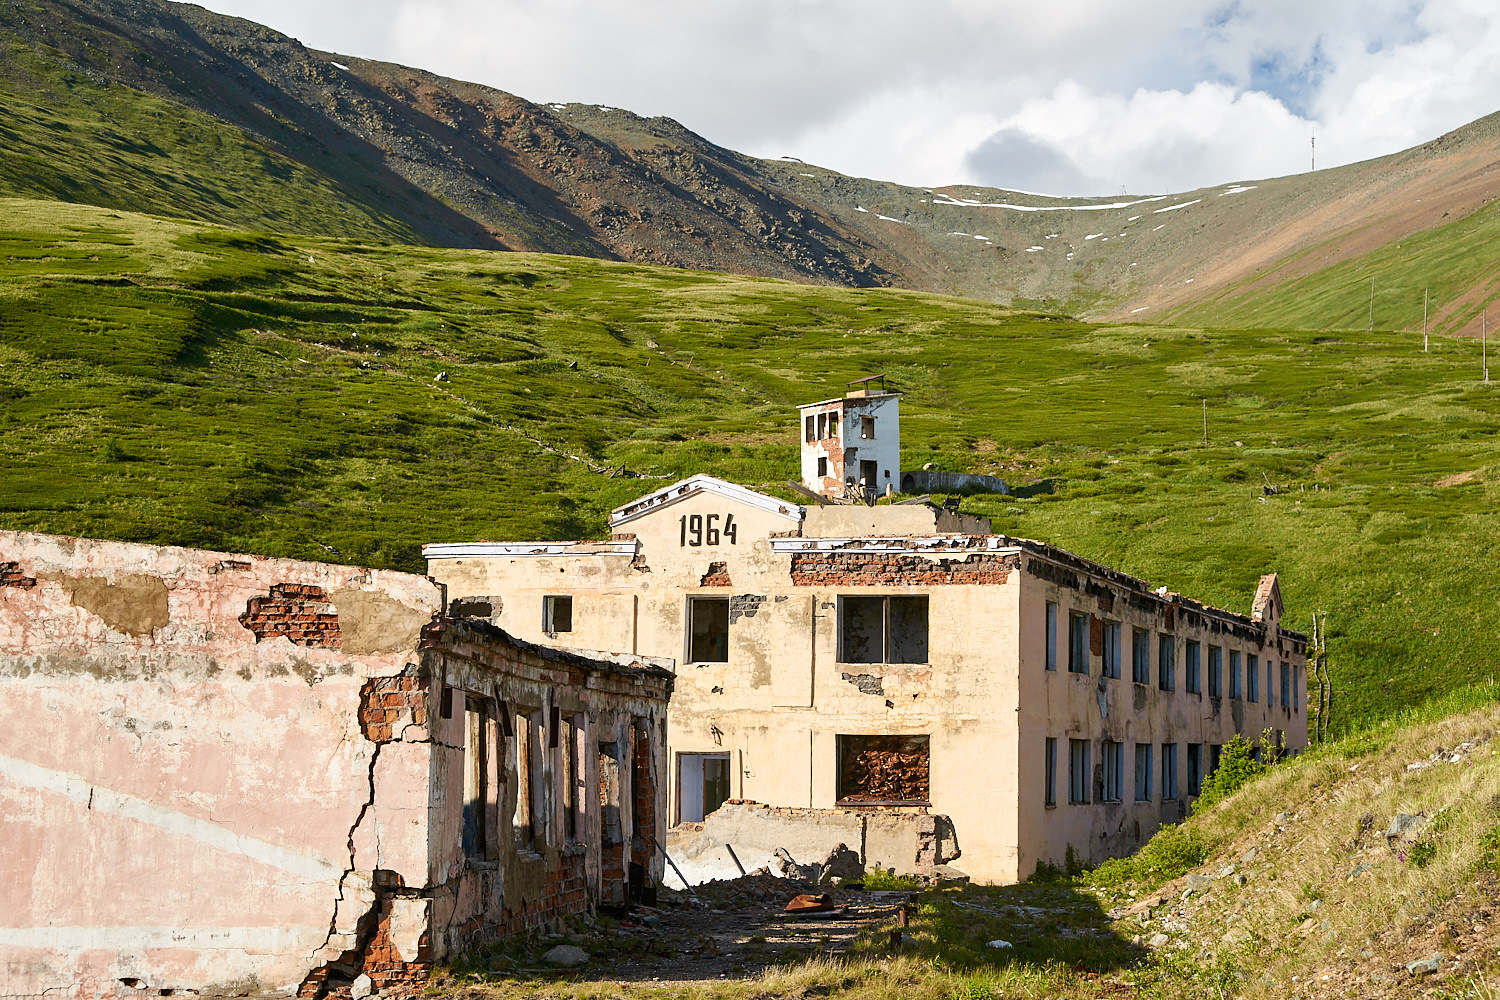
<point>113,451</point>
<point>881,880</point>
<point>1489,850</point>
<point>1237,768</point>
<point>1420,853</point>
<point>1048,874</point>
<point>1172,852</point>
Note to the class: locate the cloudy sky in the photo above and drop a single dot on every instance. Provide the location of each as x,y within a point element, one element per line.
<point>1059,96</point>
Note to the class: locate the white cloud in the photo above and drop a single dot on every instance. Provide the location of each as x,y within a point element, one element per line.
<point>1176,93</point>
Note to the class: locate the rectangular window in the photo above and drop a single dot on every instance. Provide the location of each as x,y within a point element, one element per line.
<point>883,629</point>
<point>1296,689</point>
<point>1286,685</point>
<point>1078,771</point>
<point>1143,772</point>
<point>1051,635</point>
<point>702,784</point>
<point>1214,749</point>
<point>833,425</point>
<point>1168,771</point>
<point>1140,656</point>
<point>557,614</point>
<point>475,759</point>
<point>822,426</point>
<point>1215,672</point>
<point>708,630</point>
<point>1112,650</point>
<point>1166,664</point>
<point>1078,643</point>
<point>1049,763</point>
<point>571,740</point>
<point>1109,757</point>
<point>883,768</point>
<point>529,821</point>
<point>1234,674</point>
<point>822,466</point>
<point>1190,665</point>
<point>867,428</point>
<point>1270,683</point>
<point>1195,768</point>
<point>1252,678</point>
<point>609,791</point>
<point>811,434</point>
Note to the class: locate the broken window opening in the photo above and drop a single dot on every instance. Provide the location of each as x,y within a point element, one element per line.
<point>1166,664</point>
<point>1215,672</point>
<point>1109,753</point>
<point>571,745</point>
<point>1143,772</point>
<point>1195,768</point>
<point>557,614</point>
<point>822,426</point>
<point>1286,685</point>
<point>1234,674</point>
<point>702,785</point>
<point>475,785</point>
<point>822,466</point>
<point>1051,635</point>
<point>883,629</point>
<point>1112,650</point>
<point>609,793</point>
<point>884,769</point>
<point>1140,656</point>
<point>1078,643</point>
<point>529,820</point>
<point>833,425</point>
<point>1214,749</point>
<point>1190,664</point>
<point>1078,772</point>
<point>708,629</point>
<point>1252,678</point>
<point>1049,796</point>
<point>869,474</point>
<point>1168,771</point>
<point>811,429</point>
<point>867,428</point>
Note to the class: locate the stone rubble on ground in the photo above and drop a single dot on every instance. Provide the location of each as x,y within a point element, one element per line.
<point>566,954</point>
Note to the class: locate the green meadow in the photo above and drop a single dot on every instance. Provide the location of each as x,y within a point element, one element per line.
<point>173,382</point>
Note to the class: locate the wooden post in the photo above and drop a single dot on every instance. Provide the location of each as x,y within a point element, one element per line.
<point>1205,422</point>
<point>1425,293</point>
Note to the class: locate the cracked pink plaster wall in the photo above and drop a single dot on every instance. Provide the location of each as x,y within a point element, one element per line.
<point>177,800</point>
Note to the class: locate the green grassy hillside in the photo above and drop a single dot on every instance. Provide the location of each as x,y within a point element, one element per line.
<point>173,382</point>
<point>1454,262</point>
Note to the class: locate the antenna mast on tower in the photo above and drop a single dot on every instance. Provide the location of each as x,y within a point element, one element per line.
<point>1314,151</point>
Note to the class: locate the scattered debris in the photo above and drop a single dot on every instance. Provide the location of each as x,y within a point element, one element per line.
<point>566,954</point>
<point>1425,966</point>
<point>999,944</point>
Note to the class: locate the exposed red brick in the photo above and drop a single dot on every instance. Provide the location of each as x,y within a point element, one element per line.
<point>875,569</point>
<point>299,611</point>
<point>11,576</point>
<point>386,702</point>
<point>883,769</point>
<point>717,574</point>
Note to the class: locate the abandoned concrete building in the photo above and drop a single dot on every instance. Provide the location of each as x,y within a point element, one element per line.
<point>843,664</point>
<point>237,775</point>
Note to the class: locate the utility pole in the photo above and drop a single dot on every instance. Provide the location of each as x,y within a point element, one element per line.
<point>1315,151</point>
<point>1372,305</point>
<point>1484,341</point>
<point>1425,293</point>
<point>1205,420</point>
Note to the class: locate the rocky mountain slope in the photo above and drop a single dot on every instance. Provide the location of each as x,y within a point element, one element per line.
<point>156,106</point>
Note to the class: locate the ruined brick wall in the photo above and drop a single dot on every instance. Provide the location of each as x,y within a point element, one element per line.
<point>299,611</point>
<point>379,956</point>
<point>389,704</point>
<point>11,576</point>
<point>873,569</point>
<point>717,576</point>
<point>564,894</point>
<point>643,785</point>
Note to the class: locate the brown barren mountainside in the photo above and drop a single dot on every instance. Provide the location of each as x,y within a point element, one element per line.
<point>450,163</point>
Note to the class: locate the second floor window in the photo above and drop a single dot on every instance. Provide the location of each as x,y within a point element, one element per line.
<point>1140,656</point>
<point>1078,642</point>
<point>1190,664</point>
<point>879,629</point>
<point>1112,650</point>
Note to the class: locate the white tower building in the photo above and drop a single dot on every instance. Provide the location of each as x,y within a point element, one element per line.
<point>854,439</point>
